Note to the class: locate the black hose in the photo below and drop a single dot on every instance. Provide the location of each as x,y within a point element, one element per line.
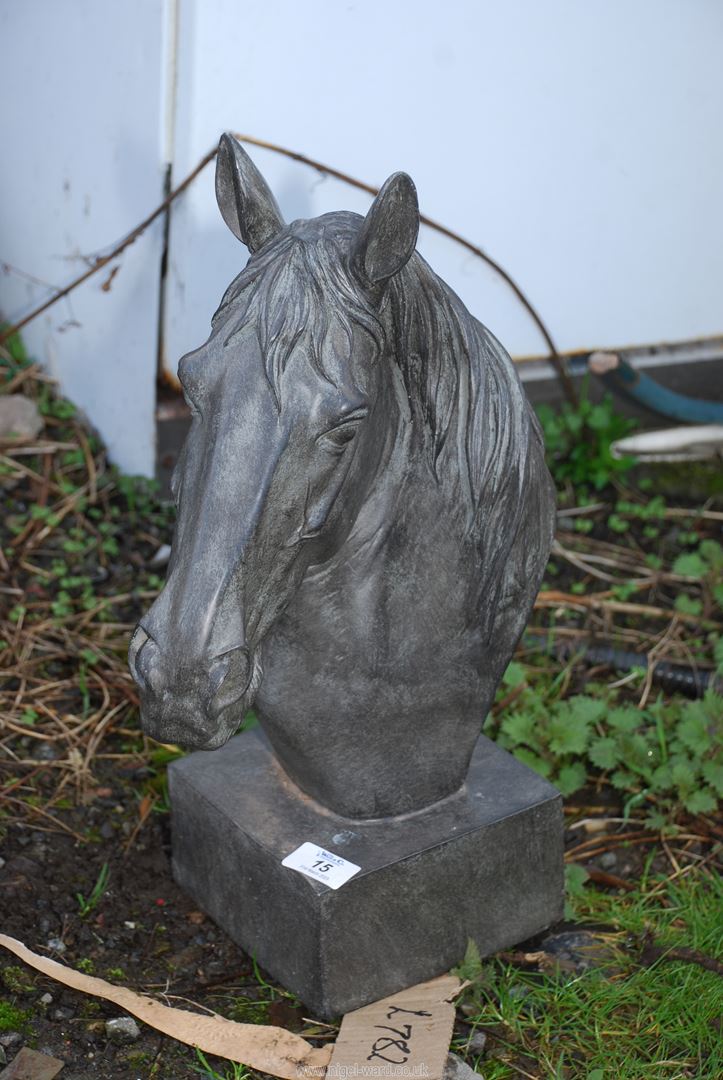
<point>676,678</point>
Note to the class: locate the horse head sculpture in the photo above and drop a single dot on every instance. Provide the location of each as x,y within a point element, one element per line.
<point>364,512</point>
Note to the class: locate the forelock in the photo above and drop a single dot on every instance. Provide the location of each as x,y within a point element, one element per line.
<point>297,291</point>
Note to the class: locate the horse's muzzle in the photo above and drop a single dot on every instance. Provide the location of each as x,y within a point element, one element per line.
<point>198,705</point>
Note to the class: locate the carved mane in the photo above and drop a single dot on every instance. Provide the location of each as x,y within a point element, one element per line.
<point>468,392</point>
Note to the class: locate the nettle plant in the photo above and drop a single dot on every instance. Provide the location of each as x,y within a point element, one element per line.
<point>578,438</point>
<point>668,755</point>
<point>705,567</point>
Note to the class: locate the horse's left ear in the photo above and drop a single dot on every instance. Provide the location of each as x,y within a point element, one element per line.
<point>389,232</point>
<point>243,196</point>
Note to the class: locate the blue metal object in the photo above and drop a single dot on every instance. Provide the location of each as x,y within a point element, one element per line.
<point>624,379</point>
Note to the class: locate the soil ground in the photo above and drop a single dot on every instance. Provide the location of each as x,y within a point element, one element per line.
<point>82,789</point>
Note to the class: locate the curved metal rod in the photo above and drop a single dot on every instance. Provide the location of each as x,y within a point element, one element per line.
<point>103,260</point>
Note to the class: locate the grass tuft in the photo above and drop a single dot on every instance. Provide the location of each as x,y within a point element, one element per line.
<point>624,1016</point>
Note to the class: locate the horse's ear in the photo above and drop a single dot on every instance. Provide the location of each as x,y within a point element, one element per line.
<point>389,232</point>
<point>243,196</point>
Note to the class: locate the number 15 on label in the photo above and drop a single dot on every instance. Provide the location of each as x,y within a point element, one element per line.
<point>321,865</point>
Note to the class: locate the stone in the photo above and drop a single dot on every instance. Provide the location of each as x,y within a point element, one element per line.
<point>40,851</point>
<point>477,1042</point>
<point>160,556</point>
<point>11,1040</point>
<point>364,519</point>
<point>484,864</point>
<point>578,951</point>
<point>608,860</point>
<point>122,1029</point>
<point>22,866</point>
<point>47,752</point>
<point>456,1069</point>
<point>19,417</point>
<point>392,511</point>
<point>56,945</point>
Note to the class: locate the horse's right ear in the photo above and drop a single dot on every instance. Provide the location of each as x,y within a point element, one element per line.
<point>388,234</point>
<point>243,196</point>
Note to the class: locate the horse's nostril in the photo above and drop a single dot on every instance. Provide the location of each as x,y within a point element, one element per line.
<point>218,672</point>
<point>140,654</point>
<point>229,675</point>
<point>140,637</point>
<point>234,665</point>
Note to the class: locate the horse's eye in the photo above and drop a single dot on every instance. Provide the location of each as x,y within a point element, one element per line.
<point>336,439</point>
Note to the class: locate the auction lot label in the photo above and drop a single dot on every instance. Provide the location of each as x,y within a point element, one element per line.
<point>321,865</point>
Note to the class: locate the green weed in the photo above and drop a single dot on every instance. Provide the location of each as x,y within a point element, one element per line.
<point>86,905</point>
<point>578,438</point>
<point>15,356</point>
<point>670,751</point>
<point>233,1071</point>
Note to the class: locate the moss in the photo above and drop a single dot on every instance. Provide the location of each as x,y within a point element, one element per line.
<point>695,480</point>
<point>12,1018</point>
<point>16,979</point>
<point>136,1058</point>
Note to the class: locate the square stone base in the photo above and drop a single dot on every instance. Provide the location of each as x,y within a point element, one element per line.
<point>485,864</point>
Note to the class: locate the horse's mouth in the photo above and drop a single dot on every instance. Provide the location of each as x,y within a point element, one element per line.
<point>191,727</point>
<point>188,721</point>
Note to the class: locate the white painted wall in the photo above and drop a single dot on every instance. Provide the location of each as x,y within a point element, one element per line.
<point>578,141</point>
<point>81,115</point>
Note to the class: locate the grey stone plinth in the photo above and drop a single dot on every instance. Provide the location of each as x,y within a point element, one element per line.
<point>484,864</point>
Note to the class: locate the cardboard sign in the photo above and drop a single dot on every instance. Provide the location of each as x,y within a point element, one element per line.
<point>406,1035</point>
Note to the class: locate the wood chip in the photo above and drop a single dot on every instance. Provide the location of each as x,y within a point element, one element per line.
<point>31,1065</point>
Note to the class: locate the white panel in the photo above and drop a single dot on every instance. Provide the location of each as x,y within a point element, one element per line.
<point>579,143</point>
<point>82,120</point>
